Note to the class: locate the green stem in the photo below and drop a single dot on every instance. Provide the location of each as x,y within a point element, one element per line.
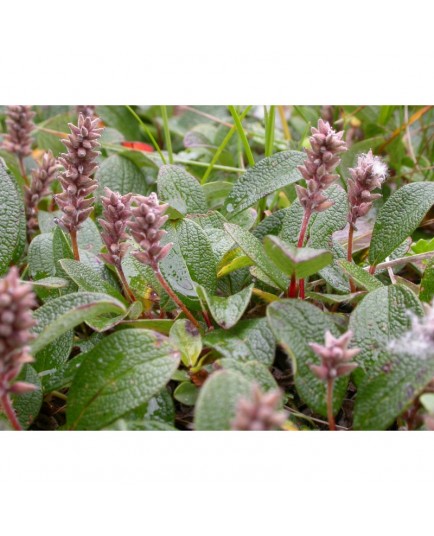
<point>269,131</point>
<point>148,132</point>
<point>167,133</point>
<point>242,135</point>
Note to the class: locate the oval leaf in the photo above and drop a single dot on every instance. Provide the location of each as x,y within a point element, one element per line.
<point>399,217</point>
<point>122,372</point>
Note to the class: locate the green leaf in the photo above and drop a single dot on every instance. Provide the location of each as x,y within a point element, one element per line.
<point>49,141</point>
<point>233,260</point>
<point>89,237</point>
<point>267,176</point>
<point>218,399</point>
<point>295,324</point>
<point>272,225</point>
<point>362,278</point>
<point>40,256</point>
<point>383,315</point>
<point>249,340</point>
<point>427,401</point>
<point>185,337</point>
<point>382,397</point>
<point>182,191</point>
<point>399,217</point>
<point>120,373</point>
<point>121,119</point>
<point>254,371</point>
<point>253,248</point>
<point>226,311</point>
<point>423,246</point>
<point>28,405</point>
<point>161,325</point>
<point>62,314</point>
<point>191,260</point>
<point>11,214</point>
<point>120,175</point>
<point>427,284</point>
<point>186,393</point>
<point>88,280</point>
<point>322,225</point>
<point>302,262</point>
<point>51,282</point>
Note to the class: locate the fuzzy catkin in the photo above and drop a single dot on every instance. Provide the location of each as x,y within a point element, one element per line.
<point>145,226</point>
<point>369,174</point>
<point>79,162</point>
<point>19,123</point>
<point>321,160</point>
<point>116,211</point>
<point>260,413</point>
<point>16,301</point>
<point>88,110</point>
<point>39,187</point>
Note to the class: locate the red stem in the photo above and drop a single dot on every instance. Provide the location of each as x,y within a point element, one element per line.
<point>74,245</point>
<point>350,255</point>
<point>174,297</point>
<point>306,218</point>
<point>10,413</point>
<point>330,416</point>
<point>293,290</point>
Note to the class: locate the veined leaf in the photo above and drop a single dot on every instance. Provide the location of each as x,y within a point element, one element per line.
<point>253,248</point>
<point>182,191</point>
<point>381,316</point>
<point>295,324</point>
<point>122,372</point>
<point>11,214</point>
<point>62,314</point>
<point>249,340</point>
<point>226,311</point>
<point>121,175</point>
<point>362,278</point>
<point>218,399</point>
<point>265,177</point>
<point>427,283</point>
<point>399,217</point>
<point>302,262</point>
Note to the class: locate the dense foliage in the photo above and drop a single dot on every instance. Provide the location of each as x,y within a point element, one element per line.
<point>216,268</point>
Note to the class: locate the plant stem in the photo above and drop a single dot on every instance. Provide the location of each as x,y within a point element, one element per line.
<point>207,319</point>
<point>350,255</point>
<point>149,133</point>
<point>330,416</point>
<point>285,128</point>
<point>167,133</point>
<point>242,135</point>
<point>269,131</point>
<point>301,237</point>
<point>125,285</point>
<point>10,413</point>
<point>174,297</point>
<point>75,245</point>
<point>292,290</point>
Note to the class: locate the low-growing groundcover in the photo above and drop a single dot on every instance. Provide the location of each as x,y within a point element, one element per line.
<point>216,268</point>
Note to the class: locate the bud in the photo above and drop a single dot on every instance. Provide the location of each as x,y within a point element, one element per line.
<point>260,413</point>
<point>369,174</point>
<point>39,187</point>
<point>16,301</point>
<point>321,160</point>
<point>116,211</point>
<point>19,124</point>
<point>145,226</point>
<point>79,164</point>
<point>335,356</point>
